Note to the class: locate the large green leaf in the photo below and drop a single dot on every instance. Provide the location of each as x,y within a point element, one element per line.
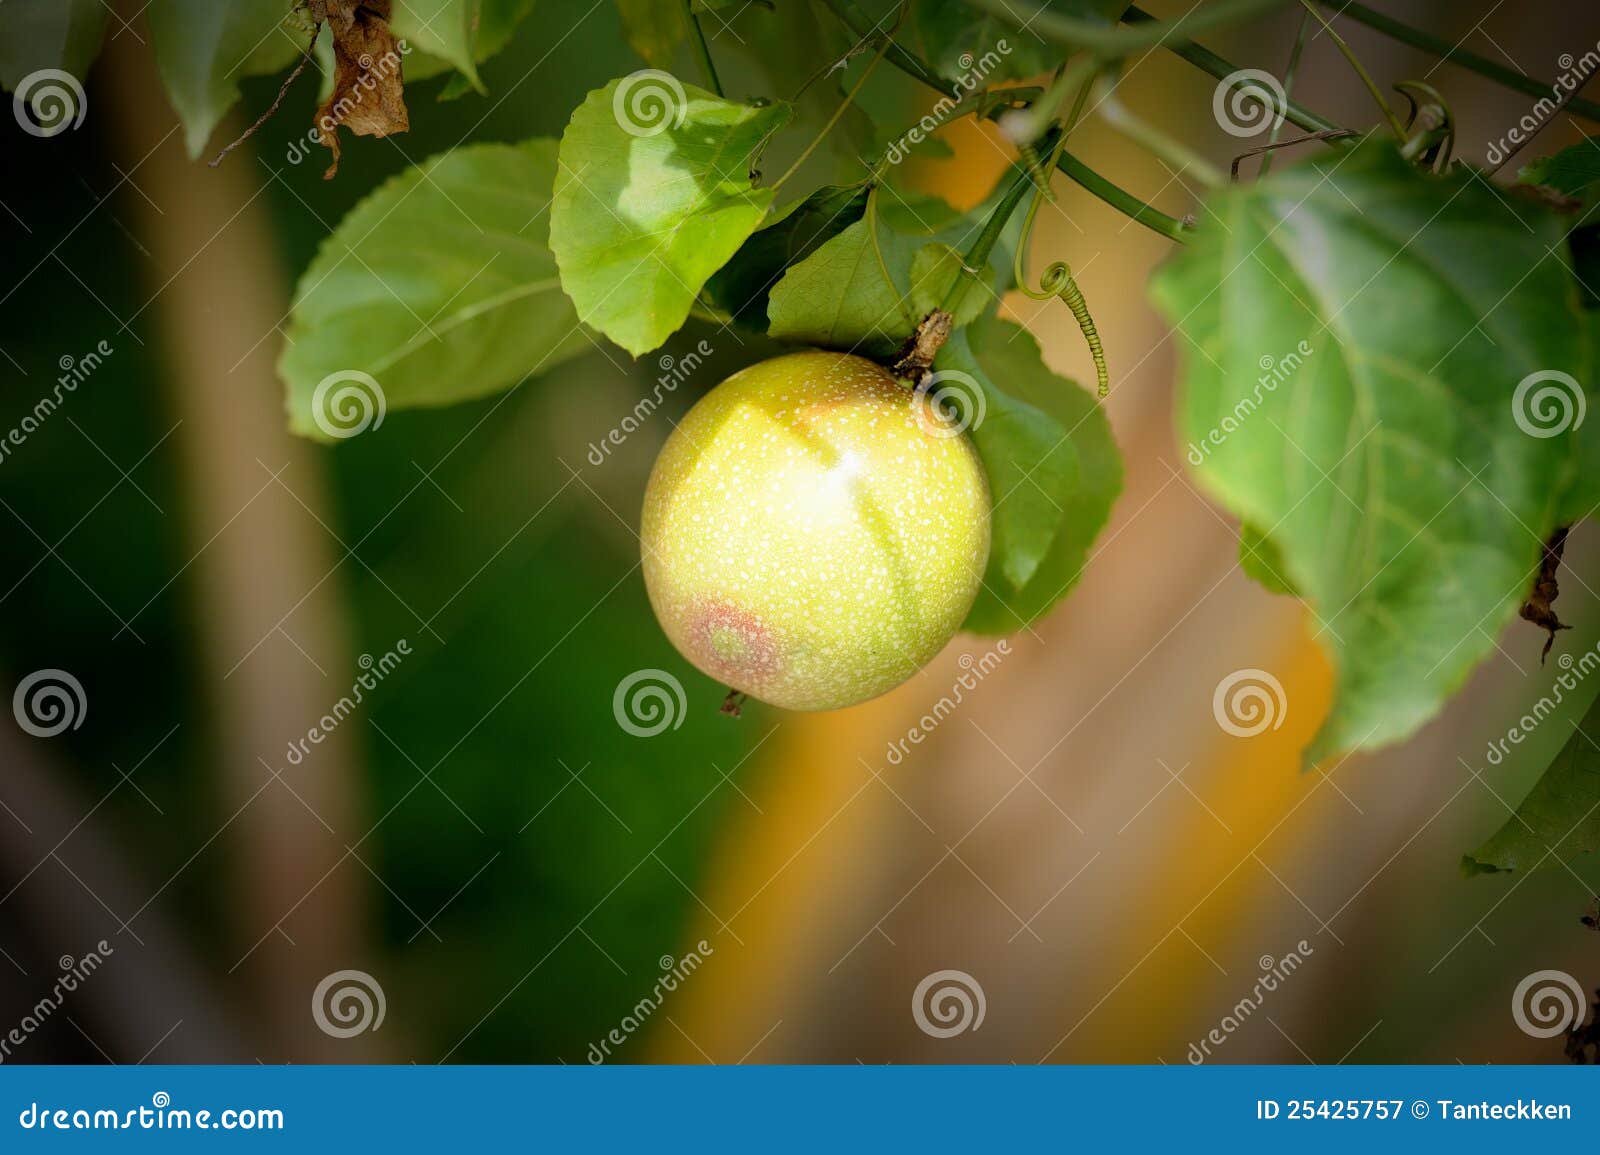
<point>204,48</point>
<point>1053,469</point>
<point>1560,817</point>
<point>1362,329</point>
<point>976,50</point>
<point>741,287</point>
<point>439,286</point>
<point>864,290</point>
<point>654,196</point>
<point>49,34</point>
<point>496,23</point>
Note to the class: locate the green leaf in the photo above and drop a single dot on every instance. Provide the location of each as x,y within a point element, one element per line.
<point>1574,173</point>
<point>45,34</point>
<point>654,28</point>
<point>844,296</point>
<point>491,30</point>
<point>439,285</point>
<point>979,51</point>
<point>654,196</point>
<point>1560,817</point>
<point>446,29</point>
<point>1054,472</point>
<point>933,273</point>
<point>742,286</point>
<point>1569,172</point>
<point>1361,329</point>
<point>203,49</point>
<point>1262,561</point>
<point>864,291</point>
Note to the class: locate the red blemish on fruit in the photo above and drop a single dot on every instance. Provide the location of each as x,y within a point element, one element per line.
<point>732,644</point>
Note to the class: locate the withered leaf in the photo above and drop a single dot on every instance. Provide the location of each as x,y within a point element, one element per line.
<point>1538,608</point>
<point>368,94</point>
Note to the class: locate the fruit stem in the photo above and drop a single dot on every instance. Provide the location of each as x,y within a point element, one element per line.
<point>1455,54</point>
<point>698,35</point>
<point>733,704</point>
<point>1118,198</point>
<point>1355,63</point>
<point>976,258</point>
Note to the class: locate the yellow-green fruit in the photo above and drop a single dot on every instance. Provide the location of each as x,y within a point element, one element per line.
<point>813,534</point>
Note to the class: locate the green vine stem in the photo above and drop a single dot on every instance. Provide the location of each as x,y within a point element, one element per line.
<point>1454,54</point>
<point>1210,63</point>
<point>976,257</point>
<point>698,35</point>
<point>1110,42</point>
<point>1355,63</point>
<point>1291,72</point>
<point>1173,153</point>
<point>1118,198</point>
<point>1057,281</point>
<point>849,99</point>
